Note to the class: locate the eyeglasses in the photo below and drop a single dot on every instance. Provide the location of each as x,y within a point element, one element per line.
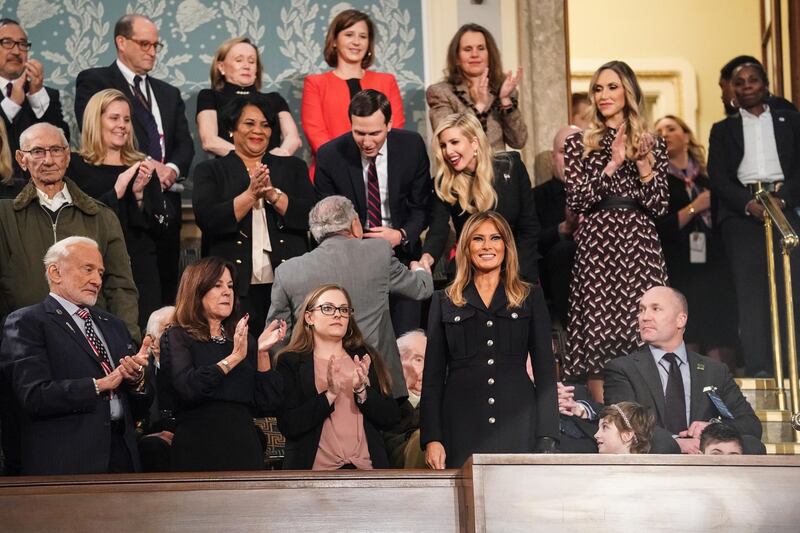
<point>9,44</point>
<point>41,153</point>
<point>330,310</point>
<point>147,45</point>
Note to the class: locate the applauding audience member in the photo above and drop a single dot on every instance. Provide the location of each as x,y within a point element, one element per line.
<point>109,168</point>
<point>252,206</point>
<point>350,50</point>
<point>476,84</point>
<point>624,427</point>
<point>721,439</point>
<point>338,394</point>
<point>236,71</point>
<point>220,375</point>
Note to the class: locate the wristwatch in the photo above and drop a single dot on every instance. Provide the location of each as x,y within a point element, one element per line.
<point>278,192</point>
<point>403,237</point>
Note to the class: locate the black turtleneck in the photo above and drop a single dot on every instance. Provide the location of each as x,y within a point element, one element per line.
<point>216,100</point>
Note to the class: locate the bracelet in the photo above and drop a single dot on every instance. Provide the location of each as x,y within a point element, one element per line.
<point>647,176</point>
<point>691,209</point>
<point>360,391</point>
<point>226,364</point>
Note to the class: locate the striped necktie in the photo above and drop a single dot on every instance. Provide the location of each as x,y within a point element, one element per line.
<point>94,340</point>
<point>374,217</point>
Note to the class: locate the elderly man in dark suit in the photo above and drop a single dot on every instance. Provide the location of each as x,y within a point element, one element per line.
<point>685,391</point>
<point>24,100</point>
<point>385,172</point>
<point>159,122</point>
<point>366,268</point>
<point>759,146</point>
<point>72,370</point>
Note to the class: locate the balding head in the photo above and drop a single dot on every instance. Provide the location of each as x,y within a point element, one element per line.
<point>558,149</point>
<point>663,313</point>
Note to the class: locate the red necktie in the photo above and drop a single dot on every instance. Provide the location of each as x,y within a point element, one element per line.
<point>374,218</point>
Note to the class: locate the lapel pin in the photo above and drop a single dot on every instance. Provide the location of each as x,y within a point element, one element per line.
<point>701,366</point>
<point>58,311</point>
<point>506,176</point>
<point>781,119</point>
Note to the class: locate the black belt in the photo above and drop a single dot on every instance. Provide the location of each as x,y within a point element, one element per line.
<point>616,202</point>
<point>769,186</point>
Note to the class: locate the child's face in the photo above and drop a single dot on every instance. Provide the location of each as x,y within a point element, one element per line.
<point>723,448</point>
<point>610,439</point>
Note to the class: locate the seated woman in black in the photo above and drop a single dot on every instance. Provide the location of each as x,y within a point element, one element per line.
<point>236,71</point>
<point>220,376</point>
<point>338,394</point>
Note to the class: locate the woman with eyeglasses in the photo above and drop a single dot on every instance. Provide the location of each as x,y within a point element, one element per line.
<point>109,167</point>
<point>337,391</point>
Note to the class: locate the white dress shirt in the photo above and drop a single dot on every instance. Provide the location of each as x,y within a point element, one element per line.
<point>382,166</point>
<point>62,197</point>
<point>39,101</point>
<point>760,161</point>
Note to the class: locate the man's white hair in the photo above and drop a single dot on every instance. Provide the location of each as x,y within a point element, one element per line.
<point>28,134</point>
<point>60,251</point>
<point>404,341</point>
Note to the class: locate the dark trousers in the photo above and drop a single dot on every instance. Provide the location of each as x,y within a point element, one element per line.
<point>257,304</point>
<point>745,247</point>
<point>119,461</point>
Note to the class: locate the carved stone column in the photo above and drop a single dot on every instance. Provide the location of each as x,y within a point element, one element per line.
<point>544,91</point>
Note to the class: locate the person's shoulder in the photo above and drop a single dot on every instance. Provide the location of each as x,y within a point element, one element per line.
<point>380,77</point>
<point>704,363</point>
<point>405,136</point>
<point>335,147</point>
<point>319,78</point>
<point>95,73</point>
<point>163,85</point>
<point>105,316</point>
<point>442,87</point>
<point>291,359</point>
<point>377,246</point>
<point>285,161</point>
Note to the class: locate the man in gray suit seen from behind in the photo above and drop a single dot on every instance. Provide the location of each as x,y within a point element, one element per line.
<point>366,268</point>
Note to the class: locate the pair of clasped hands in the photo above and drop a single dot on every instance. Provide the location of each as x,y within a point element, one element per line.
<point>130,369</point>
<point>481,96</point>
<point>273,333</point>
<point>141,173</point>
<point>260,182</point>
<point>644,163</point>
<point>343,382</point>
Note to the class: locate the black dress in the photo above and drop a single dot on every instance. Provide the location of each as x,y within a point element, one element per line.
<point>142,228</point>
<point>209,99</point>
<point>476,393</point>
<point>214,428</point>
<point>514,202</point>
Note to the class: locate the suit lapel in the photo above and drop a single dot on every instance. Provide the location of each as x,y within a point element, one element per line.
<point>67,324</point>
<point>356,172</point>
<point>699,379</point>
<point>643,359</point>
<point>394,174</point>
<point>737,134</point>
<point>784,141</point>
<point>306,371</point>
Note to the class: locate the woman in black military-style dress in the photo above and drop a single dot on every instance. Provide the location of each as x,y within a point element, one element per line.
<point>477,396</point>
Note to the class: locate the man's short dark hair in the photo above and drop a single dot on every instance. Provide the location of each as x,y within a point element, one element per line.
<point>369,101</point>
<point>719,433</point>
<point>7,21</point>
<point>726,72</point>
<point>124,25</point>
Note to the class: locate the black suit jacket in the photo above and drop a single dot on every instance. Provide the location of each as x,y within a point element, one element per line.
<point>178,145</point>
<point>305,411</point>
<point>726,150</point>
<point>218,181</point>
<point>64,424</point>
<point>27,118</point>
<point>634,378</point>
<point>339,171</point>
<point>550,199</point>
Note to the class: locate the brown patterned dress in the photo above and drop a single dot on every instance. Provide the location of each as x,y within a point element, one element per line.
<point>619,253</point>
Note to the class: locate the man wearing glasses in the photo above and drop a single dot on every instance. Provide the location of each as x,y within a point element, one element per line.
<point>159,122</point>
<point>25,100</point>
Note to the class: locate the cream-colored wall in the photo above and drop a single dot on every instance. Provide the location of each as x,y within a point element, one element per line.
<point>705,33</point>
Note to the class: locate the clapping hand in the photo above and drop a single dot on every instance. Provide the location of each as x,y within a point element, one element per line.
<point>510,83</point>
<point>240,339</point>
<point>361,373</point>
<point>479,92</point>
<point>272,334</point>
<point>618,146</point>
<point>132,367</point>
<point>259,181</point>
<point>646,144</point>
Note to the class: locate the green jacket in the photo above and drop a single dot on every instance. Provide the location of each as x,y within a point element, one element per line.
<point>26,232</point>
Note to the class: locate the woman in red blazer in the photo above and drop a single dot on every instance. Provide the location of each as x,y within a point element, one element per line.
<point>349,49</point>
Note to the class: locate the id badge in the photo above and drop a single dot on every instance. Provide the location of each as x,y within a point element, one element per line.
<point>697,247</point>
<point>723,410</point>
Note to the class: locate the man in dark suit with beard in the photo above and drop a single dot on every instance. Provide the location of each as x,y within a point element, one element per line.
<point>71,373</point>
<point>159,122</point>
<point>385,173</point>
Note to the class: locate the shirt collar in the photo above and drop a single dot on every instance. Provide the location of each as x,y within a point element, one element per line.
<point>750,116</point>
<point>68,306</point>
<point>4,82</point>
<point>381,154</point>
<point>62,197</point>
<point>680,351</point>
<point>128,73</point>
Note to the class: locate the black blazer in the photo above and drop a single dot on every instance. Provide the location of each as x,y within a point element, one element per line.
<point>514,201</point>
<point>64,425</point>
<point>305,410</point>
<point>726,150</point>
<point>339,171</point>
<point>27,118</point>
<point>178,145</point>
<point>550,199</point>
<point>634,378</point>
<point>218,181</point>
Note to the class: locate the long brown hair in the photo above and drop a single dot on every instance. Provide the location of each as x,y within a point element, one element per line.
<point>302,340</point>
<point>93,150</point>
<point>696,150</point>
<point>217,79</point>
<point>453,73</point>
<point>341,22</point>
<point>516,289</point>
<point>634,111</point>
<point>197,280</point>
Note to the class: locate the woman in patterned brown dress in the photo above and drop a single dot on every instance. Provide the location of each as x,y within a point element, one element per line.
<point>616,179</point>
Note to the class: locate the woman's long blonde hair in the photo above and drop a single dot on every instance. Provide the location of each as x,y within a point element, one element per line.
<point>6,166</point>
<point>92,149</point>
<point>473,193</point>
<point>696,150</point>
<point>633,111</point>
<point>516,289</point>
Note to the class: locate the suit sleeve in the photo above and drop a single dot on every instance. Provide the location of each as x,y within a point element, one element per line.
<point>654,195</point>
<point>548,236</point>
<point>515,132</point>
<point>299,414</point>
<point>433,376</point>
<point>280,307</point>
<point>180,150</point>
<point>396,101</point>
<point>527,227</point>
<point>119,290</point>
<point>544,367</point>
<point>416,285</point>
<point>722,172</point>
<point>190,383</point>
<point>439,228</point>
<point>214,213</point>
<point>324,181</point>
<point>745,419</point>
<point>54,113</point>
<point>87,84</point>
<point>312,115</point>
<point>419,194</point>
<point>25,351</point>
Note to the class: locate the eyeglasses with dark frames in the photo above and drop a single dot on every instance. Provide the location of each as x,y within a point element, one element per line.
<point>147,45</point>
<point>9,44</point>
<point>330,310</point>
<point>40,153</point>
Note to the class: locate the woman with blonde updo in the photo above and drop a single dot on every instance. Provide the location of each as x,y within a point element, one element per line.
<point>616,180</point>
